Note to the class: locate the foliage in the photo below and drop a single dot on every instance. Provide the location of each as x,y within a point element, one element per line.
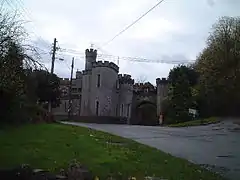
<point>46,87</point>
<point>212,84</point>
<point>14,65</point>
<point>219,69</point>
<point>180,99</point>
<point>53,146</point>
<point>11,83</point>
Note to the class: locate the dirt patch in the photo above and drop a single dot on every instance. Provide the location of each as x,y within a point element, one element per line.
<point>116,143</point>
<point>218,169</point>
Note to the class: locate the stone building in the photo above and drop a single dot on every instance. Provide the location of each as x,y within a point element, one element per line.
<point>99,90</point>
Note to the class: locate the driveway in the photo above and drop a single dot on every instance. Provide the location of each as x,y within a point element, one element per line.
<point>216,147</point>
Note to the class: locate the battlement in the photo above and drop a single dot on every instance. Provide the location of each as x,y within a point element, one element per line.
<point>86,72</point>
<point>91,53</point>
<point>161,81</point>
<point>127,76</point>
<point>138,84</point>
<point>64,79</point>
<point>106,64</point>
<point>79,74</point>
<point>144,87</point>
<point>125,79</point>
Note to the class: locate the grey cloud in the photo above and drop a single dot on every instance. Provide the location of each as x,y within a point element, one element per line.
<point>211,2</point>
<point>98,21</point>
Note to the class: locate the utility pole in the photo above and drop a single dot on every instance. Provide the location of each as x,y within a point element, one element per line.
<point>53,54</point>
<point>70,91</point>
<point>52,69</point>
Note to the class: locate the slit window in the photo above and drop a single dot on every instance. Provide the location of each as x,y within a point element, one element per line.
<point>117,84</point>
<point>97,108</point>
<point>122,110</point>
<point>128,110</point>
<point>117,110</point>
<point>98,80</point>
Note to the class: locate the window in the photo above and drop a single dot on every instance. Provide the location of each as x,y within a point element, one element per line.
<point>74,89</point>
<point>97,107</point>
<point>122,110</point>
<point>128,110</point>
<point>98,80</point>
<point>117,84</point>
<point>117,110</point>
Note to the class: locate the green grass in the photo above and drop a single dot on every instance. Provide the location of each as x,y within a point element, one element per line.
<point>199,122</point>
<point>53,146</point>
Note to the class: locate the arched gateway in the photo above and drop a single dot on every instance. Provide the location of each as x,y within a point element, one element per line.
<point>144,109</point>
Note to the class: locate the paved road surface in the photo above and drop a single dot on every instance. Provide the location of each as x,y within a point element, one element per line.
<point>217,147</point>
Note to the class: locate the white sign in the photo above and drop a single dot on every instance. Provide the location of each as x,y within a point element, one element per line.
<point>192,111</point>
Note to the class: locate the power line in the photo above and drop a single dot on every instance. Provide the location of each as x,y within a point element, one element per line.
<point>27,15</point>
<point>134,22</point>
<point>70,90</point>
<point>132,59</point>
<point>9,4</point>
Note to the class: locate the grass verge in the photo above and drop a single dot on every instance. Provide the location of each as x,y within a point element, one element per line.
<point>53,146</point>
<point>211,120</point>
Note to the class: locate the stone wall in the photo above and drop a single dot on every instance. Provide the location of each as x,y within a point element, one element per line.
<point>162,92</point>
<point>63,107</point>
<point>86,92</point>
<point>125,100</point>
<point>100,119</point>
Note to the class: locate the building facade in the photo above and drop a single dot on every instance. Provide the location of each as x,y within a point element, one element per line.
<point>99,90</point>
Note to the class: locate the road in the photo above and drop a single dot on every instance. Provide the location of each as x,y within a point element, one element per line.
<point>216,147</point>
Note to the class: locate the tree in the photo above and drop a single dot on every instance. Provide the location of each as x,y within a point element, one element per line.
<point>141,79</point>
<point>14,61</point>
<point>219,69</point>
<point>11,81</point>
<point>180,98</point>
<point>46,87</point>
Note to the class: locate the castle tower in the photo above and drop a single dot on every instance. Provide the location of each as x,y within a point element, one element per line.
<point>91,56</point>
<point>162,92</point>
<point>103,88</point>
<point>125,96</point>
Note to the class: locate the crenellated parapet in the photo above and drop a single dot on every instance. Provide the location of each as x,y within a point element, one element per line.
<point>64,81</point>
<point>163,81</point>
<point>91,53</point>
<point>138,85</point>
<point>144,87</point>
<point>106,64</point>
<point>125,79</point>
<point>86,72</point>
<point>79,74</point>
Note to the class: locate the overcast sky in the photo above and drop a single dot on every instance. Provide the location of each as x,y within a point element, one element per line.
<point>175,31</point>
